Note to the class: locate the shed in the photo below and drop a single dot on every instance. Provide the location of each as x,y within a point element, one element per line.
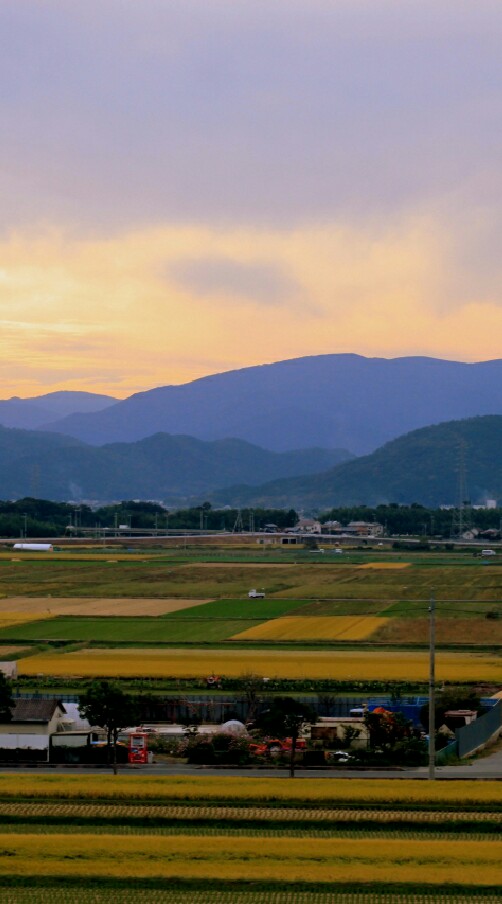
<point>33,721</point>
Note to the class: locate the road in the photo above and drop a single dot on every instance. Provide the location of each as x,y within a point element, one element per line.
<point>484,767</point>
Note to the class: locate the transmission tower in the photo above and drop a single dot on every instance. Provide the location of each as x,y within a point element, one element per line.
<point>462,514</point>
<point>238,527</point>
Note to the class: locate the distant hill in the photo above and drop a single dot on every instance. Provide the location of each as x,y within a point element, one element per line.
<point>422,466</point>
<point>54,466</point>
<point>328,401</point>
<point>33,412</point>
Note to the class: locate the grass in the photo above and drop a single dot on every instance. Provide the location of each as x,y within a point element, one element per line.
<point>242,608</point>
<point>162,577</point>
<point>116,630</point>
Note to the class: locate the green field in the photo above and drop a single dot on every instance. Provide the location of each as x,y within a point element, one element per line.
<point>303,581</point>
<point>137,630</point>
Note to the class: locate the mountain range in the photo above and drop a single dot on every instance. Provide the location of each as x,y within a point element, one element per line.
<point>328,401</point>
<point>58,467</point>
<point>34,412</point>
<point>428,466</point>
<point>228,437</point>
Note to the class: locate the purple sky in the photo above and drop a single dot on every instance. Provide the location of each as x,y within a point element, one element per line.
<point>202,164</point>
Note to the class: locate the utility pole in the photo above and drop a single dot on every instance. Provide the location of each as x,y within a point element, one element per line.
<point>432,688</point>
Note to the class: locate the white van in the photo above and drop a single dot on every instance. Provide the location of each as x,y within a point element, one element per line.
<point>488,552</point>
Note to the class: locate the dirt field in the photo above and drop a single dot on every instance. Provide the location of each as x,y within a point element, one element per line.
<point>448,630</point>
<point>45,606</point>
<point>9,649</point>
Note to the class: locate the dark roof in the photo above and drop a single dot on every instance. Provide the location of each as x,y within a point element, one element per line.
<point>33,710</point>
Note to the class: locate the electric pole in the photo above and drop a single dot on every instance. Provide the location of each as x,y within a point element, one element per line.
<point>432,688</point>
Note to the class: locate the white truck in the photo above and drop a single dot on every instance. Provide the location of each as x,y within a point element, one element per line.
<point>256,594</point>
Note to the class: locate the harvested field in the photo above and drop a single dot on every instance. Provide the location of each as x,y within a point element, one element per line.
<point>172,663</point>
<point>10,650</point>
<point>35,608</point>
<point>314,628</point>
<point>448,630</point>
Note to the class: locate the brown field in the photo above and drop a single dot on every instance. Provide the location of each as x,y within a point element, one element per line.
<point>336,627</point>
<point>448,630</point>
<point>9,649</point>
<point>18,556</point>
<point>31,608</point>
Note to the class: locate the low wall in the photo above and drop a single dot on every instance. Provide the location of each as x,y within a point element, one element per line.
<point>479,733</point>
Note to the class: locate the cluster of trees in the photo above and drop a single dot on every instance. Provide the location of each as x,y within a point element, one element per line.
<point>42,518</point>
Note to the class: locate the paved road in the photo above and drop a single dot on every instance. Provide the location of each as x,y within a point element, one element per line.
<point>488,767</point>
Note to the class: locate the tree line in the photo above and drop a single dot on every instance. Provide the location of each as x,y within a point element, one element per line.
<point>30,517</point>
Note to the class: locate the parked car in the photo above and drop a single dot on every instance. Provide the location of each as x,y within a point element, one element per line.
<point>339,756</point>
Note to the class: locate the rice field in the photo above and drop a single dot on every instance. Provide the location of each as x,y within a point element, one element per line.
<point>341,627</point>
<point>291,860</point>
<point>60,894</point>
<point>35,608</point>
<point>448,630</point>
<point>301,664</point>
<point>158,576</point>
<point>99,839</point>
<point>352,793</point>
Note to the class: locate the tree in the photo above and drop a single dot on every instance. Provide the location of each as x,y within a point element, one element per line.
<point>6,699</point>
<point>105,704</point>
<point>285,718</point>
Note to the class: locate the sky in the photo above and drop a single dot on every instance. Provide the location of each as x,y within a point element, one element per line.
<point>192,186</point>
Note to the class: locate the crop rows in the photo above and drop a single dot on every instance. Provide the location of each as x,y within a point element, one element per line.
<point>293,815</point>
<point>254,791</point>
<point>229,830</point>
<point>58,895</point>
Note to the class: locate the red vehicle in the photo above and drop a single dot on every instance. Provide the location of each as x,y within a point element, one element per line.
<point>138,747</point>
<point>275,746</point>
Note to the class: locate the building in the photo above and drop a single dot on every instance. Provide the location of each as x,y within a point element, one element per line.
<point>33,721</point>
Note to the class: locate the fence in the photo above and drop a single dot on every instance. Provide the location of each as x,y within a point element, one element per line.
<point>480,732</point>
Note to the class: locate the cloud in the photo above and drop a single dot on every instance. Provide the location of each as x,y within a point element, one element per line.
<point>121,115</point>
<point>116,306</point>
<point>261,283</point>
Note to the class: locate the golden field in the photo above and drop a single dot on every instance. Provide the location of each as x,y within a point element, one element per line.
<point>308,792</point>
<point>336,664</point>
<point>386,565</point>
<point>247,858</point>
<point>35,608</point>
<point>10,619</point>
<point>304,627</point>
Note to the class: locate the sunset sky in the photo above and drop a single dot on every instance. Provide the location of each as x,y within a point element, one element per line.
<point>191,186</point>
